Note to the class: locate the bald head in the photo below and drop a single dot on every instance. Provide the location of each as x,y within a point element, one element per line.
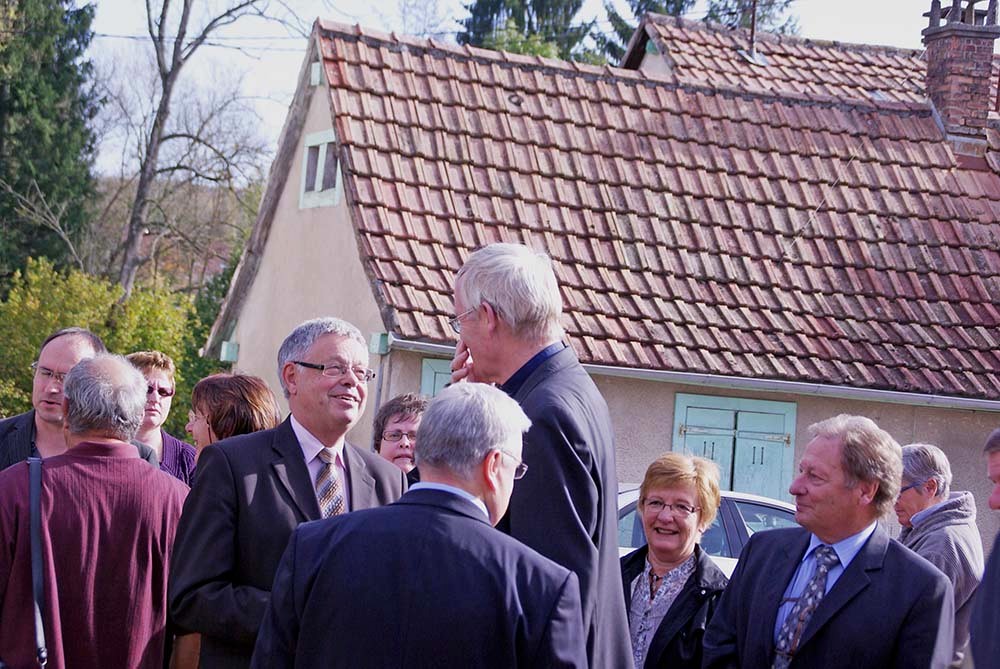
<point>104,397</point>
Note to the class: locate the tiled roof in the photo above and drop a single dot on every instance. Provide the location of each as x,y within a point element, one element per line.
<point>693,228</point>
<point>701,52</point>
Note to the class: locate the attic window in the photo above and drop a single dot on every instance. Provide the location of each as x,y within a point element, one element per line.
<point>321,182</point>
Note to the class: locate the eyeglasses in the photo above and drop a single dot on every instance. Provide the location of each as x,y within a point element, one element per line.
<point>194,417</point>
<point>47,374</point>
<point>909,487</point>
<point>521,469</point>
<point>677,510</point>
<point>396,435</point>
<point>456,322</point>
<point>161,391</point>
<point>336,371</point>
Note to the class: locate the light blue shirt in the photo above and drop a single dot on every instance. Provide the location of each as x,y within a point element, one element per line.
<point>427,485</point>
<point>846,550</point>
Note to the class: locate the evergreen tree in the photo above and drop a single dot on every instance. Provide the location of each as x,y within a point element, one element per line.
<point>46,145</point>
<point>537,21</point>
<point>772,15</point>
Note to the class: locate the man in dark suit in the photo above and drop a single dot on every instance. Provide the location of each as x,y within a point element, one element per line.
<point>39,432</point>
<point>251,491</point>
<point>427,582</point>
<point>984,628</point>
<point>508,308</point>
<point>838,593</point>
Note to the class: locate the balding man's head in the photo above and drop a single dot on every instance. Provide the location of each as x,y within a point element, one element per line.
<point>105,396</point>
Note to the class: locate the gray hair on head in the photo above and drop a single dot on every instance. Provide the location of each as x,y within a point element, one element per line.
<point>305,335</point>
<point>519,284</point>
<point>464,423</point>
<point>926,462</point>
<point>105,395</point>
<point>868,454</point>
<point>992,442</point>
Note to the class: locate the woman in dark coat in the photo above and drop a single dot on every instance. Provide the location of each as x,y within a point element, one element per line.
<point>671,585</point>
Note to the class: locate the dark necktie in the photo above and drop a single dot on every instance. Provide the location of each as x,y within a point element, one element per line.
<point>791,630</point>
<point>329,494</point>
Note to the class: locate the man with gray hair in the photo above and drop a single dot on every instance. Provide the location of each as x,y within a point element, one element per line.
<point>252,490</point>
<point>108,521</point>
<point>984,628</point>
<point>507,307</point>
<point>430,582</point>
<point>836,592</point>
<point>940,526</point>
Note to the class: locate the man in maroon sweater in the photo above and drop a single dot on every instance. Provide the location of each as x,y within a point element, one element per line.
<point>108,523</point>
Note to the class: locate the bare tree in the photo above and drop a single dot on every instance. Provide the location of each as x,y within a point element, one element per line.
<point>177,30</point>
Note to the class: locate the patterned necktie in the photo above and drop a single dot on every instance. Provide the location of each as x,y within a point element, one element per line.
<point>328,491</point>
<point>805,606</point>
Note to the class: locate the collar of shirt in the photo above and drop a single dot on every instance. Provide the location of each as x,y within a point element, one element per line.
<point>444,487</point>
<point>514,383</point>
<point>846,549</point>
<point>921,516</point>
<point>311,446</point>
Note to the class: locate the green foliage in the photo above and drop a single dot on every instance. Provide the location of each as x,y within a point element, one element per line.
<point>513,40</point>
<point>538,22</point>
<point>771,16</point>
<point>43,299</point>
<point>46,105</point>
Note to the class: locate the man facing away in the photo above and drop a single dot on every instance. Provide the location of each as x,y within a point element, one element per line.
<point>507,307</point>
<point>107,525</point>
<point>939,525</point>
<point>836,592</point>
<point>39,432</point>
<point>251,491</point>
<point>427,582</point>
<point>984,628</point>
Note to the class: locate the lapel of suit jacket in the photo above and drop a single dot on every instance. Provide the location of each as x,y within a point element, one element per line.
<point>851,582</point>
<point>290,468</point>
<point>361,484</point>
<point>787,561</point>
<point>21,438</point>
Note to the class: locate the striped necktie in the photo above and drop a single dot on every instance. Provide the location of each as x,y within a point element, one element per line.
<point>795,624</point>
<point>329,493</point>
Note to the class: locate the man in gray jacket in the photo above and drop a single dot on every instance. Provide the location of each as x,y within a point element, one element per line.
<point>940,526</point>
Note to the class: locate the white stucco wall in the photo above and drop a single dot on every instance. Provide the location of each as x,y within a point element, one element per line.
<point>310,268</point>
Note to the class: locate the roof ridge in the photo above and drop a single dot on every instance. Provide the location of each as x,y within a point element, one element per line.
<point>716,27</point>
<point>574,68</point>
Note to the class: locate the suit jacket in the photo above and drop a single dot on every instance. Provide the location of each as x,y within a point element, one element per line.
<point>889,608</point>
<point>18,432</point>
<point>425,582</point>
<point>676,643</point>
<point>249,494</point>
<point>566,507</point>
<point>984,628</point>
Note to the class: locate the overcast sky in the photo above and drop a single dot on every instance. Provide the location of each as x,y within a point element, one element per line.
<point>269,57</point>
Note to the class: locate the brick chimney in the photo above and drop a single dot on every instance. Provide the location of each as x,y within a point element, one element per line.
<point>959,56</point>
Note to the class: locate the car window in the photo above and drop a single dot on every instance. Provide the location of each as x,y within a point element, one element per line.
<point>630,534</point>
<point>761,517</point>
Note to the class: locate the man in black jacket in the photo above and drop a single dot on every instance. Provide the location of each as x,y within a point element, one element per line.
<point>39,432</point>
<point>507,307</point>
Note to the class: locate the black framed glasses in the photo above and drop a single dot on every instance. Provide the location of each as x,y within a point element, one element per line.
<point>161,391</point>
<point>337,371</point>
<point>456,322</point>
<point>909,487</point>
<point>677,509</point>
<point>521,469</point>
<point>396,435</point>
<point>48,374</point>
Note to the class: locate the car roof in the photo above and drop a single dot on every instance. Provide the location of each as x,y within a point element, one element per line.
<point>741,496</point>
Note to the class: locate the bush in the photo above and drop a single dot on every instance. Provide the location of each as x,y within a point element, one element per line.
<point>43,300</point>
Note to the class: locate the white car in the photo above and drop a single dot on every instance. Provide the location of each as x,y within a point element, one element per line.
<point>740,515</point>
